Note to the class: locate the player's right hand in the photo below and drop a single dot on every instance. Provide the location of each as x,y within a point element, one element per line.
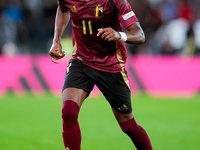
<point>56,52</point>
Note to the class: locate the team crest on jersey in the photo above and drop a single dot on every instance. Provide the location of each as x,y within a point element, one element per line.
<point>98,11</point>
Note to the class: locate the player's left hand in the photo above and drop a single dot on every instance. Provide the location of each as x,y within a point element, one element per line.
<point>108,34</point>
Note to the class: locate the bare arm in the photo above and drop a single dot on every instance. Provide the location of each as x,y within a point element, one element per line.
<point>61,22</point>
<point>135,34</point>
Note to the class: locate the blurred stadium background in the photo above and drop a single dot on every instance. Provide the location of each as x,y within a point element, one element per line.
<point>164,78</point>
<point>171,26</point>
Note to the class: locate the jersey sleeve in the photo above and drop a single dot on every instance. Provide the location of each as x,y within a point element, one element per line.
<point>126,16</point>
<point>62,5</point>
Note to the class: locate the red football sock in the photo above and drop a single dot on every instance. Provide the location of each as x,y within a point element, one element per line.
<point>137,134</point>
<point>71,130</point>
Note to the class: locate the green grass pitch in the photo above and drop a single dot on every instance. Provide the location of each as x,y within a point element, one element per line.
<point>34,123</point>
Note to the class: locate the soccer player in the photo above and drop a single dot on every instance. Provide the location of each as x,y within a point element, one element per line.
<point>98,58</point>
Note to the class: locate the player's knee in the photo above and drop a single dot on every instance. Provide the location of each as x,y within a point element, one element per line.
<point>70,111</point>
<point>133,130</point>
<point>129,126</point>
<point>68,114</point>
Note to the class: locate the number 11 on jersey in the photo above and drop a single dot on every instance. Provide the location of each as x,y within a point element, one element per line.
<point>85,27</point>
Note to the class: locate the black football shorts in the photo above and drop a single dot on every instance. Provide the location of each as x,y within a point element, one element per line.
<point>113,85</point>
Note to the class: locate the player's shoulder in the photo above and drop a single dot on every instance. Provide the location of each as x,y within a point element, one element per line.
<point>120,2</point>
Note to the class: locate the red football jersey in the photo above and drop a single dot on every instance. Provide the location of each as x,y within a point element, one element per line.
<point>87,17</point>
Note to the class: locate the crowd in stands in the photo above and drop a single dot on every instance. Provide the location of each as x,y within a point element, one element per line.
<point>172,27</point>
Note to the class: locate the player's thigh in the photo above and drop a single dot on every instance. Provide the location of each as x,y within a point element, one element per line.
<point>77,85</point>
<point>74,94</point>
<point>115,88</point>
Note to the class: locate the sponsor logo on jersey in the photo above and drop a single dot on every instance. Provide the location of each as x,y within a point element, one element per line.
<point>98,11</point>
<point>128,15</point>
<point>73,9</point>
